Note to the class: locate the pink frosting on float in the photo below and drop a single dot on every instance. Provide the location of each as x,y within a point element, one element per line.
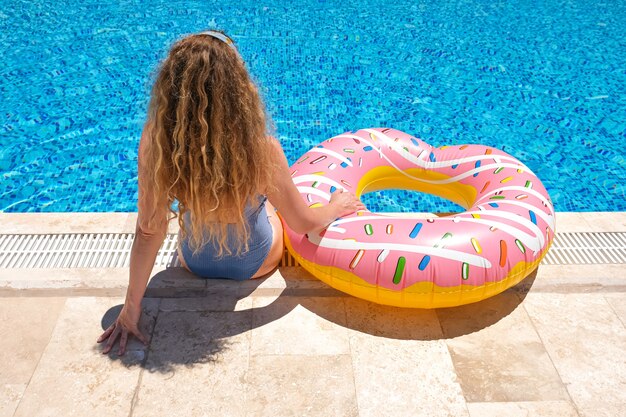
<point>510,221</point>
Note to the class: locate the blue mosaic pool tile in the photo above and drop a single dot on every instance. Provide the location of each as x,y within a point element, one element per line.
<point>543,81</point>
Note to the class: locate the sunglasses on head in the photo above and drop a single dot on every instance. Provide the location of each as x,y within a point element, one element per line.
<point>221,36</point>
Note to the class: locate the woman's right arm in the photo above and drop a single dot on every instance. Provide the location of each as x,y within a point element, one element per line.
<point>287,199</point>
<point>146,244</point>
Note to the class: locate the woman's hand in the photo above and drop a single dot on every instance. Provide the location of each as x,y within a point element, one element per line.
<point>345,203</point>
<point>127,322</point>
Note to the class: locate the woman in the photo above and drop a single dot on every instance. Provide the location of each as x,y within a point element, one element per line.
<point>205,146</point>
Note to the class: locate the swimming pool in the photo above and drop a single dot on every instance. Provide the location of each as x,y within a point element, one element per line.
<point>545,81</point>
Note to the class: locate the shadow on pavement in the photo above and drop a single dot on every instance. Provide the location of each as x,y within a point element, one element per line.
<point>190,320</point>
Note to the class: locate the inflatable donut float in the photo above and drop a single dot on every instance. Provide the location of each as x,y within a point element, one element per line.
<point>410,260</point>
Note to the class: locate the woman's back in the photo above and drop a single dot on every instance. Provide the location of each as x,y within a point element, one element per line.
<point>207,148</point>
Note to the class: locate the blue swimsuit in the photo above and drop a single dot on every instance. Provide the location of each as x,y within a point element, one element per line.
<point>207,265</point>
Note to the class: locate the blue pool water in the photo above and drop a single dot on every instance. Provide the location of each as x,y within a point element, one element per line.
<point>545,81</point>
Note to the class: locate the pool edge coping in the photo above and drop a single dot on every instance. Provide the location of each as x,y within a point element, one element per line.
<point>124,222</point>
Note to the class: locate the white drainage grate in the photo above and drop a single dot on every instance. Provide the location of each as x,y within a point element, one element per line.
<point>112,250</point>
<point>84,250</point>
<point>587,248</point>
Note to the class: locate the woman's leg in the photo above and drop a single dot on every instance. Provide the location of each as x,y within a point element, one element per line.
<point>181,259</point>
<point>276,251</point>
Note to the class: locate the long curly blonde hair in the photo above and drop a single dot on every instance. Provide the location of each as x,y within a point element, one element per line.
<point>209,147</point>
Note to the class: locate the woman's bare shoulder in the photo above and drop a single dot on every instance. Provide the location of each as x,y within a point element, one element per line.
<point>145,141</point>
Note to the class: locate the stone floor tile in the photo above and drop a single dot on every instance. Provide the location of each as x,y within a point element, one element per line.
<point>275,280</point>
<point>71,280</point>
<point>176,278</point>
<point>587,344</point>
<point>617,301</point>
<point>299,326</point>
<point>72,370</point>
<point>10,395</point>
<point>497,353</point>
<point>401,365</point>
<point>301,386</point>
<point>398,378</point>
<point>197,365</point>
<point>567,222</point>
<point>293,277</point>
<point>37,223</point>
<point>392,322</point>
<point>579,278</point>
<point>130,224</point>
<point>298,273</point>
<point>523,409</point>
<point>293,280</point>
<point>605,221</point>
<point>212,301</point>
<point>22,343</point>
<point>590,222</point>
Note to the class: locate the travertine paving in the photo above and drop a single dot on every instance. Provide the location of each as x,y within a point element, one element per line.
<point>288,345</point>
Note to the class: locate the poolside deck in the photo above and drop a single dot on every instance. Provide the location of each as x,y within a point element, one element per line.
<point>554,345</point>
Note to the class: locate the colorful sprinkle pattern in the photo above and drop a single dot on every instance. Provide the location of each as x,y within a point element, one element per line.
<point>473,248</point>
